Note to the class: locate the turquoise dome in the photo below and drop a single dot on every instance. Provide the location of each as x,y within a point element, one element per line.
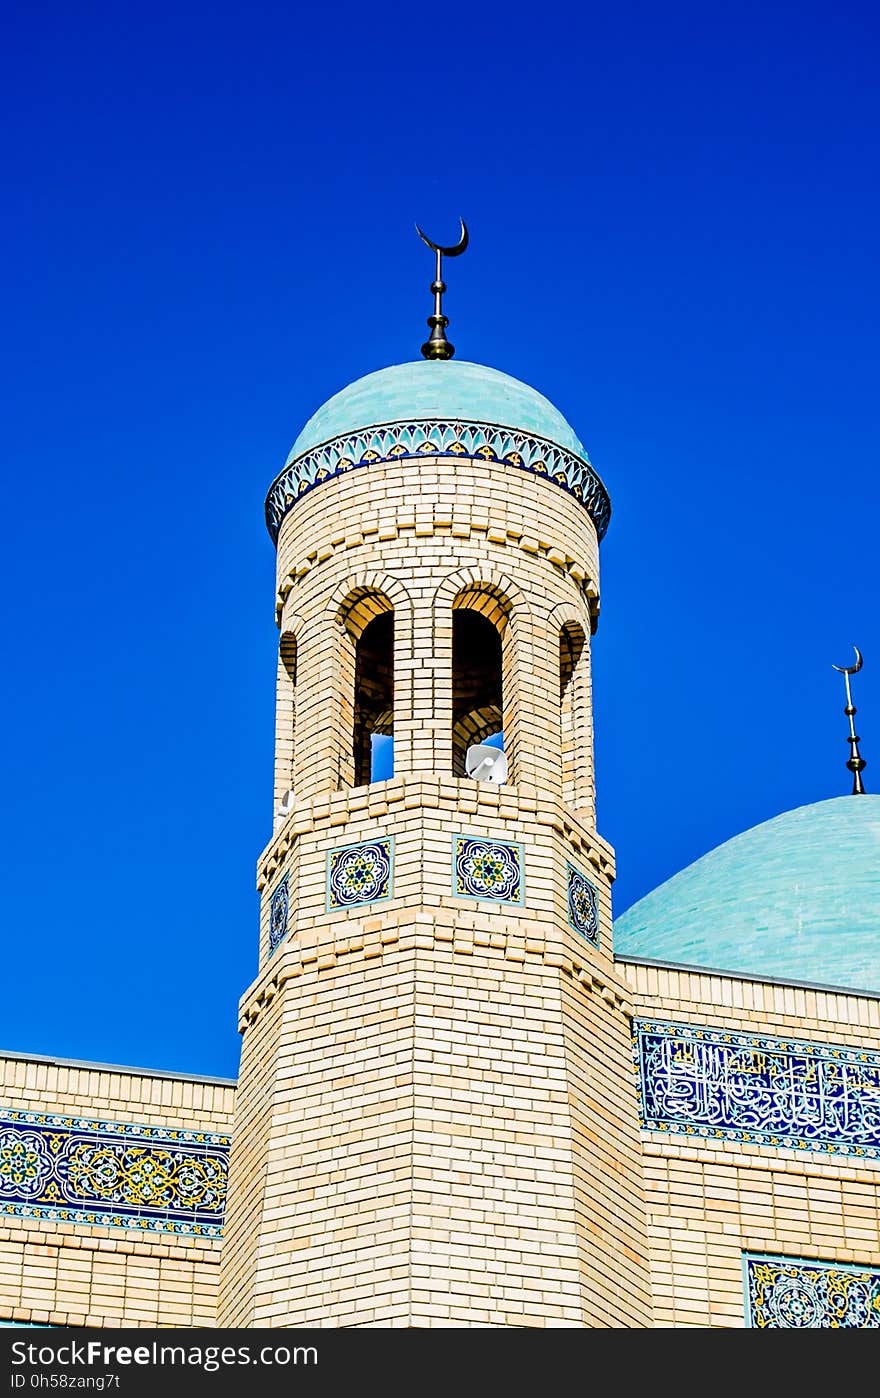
<point>796,898</point>
<point>444,390</point>
<point>437,408</point>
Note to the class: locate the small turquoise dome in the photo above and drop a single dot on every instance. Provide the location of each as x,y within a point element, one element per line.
<point>446,390</point>
<point>796,898</point>
<point>437,408</point>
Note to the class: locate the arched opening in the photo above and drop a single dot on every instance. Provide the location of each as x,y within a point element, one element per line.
<point>477,686</point>
<point>373,705</point>
<point>285,720</point>
<point>572,644</point>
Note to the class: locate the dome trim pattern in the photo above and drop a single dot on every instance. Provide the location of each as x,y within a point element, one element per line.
<point>409,439</point>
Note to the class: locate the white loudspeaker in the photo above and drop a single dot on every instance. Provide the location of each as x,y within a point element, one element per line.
<point>485,763</point>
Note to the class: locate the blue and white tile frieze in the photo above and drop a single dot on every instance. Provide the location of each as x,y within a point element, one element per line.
<point>723,1085</point>
<point>112,1174</point>
<point>393,441</point>
<point>487,869</point>
<point>359,874</point>
<point>279,914</point>
<point>583,905</point>
<point>791,1293</point>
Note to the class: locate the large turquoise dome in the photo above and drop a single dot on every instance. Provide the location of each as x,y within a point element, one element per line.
<point>796,898</point>
<point>448,389</point>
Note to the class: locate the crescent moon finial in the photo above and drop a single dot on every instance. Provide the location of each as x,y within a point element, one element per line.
<point>437,346</point>
<point>850,669</point>
<point>856,763</point>
<point>455,251</point>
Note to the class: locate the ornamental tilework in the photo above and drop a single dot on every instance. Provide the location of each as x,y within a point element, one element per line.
<point>112,1174</point>
<point>787,1293</point>
<point>279,912</point>
<point>358,874</point>
<point>715,1083</point>
<point>485,868</point>
<point>392,441</point>
<point>583,906</point>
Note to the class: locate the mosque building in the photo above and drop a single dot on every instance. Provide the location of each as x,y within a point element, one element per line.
<point>465,1097</point>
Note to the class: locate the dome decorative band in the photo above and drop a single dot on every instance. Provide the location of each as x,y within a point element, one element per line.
<point>395,441</point>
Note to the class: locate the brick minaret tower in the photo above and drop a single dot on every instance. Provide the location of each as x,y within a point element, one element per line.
<point>436,1121</point>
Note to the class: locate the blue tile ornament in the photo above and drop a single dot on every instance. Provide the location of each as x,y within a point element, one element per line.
<point>279,911</point>
<point>583,905</point>
<point>112,1174</point>
<point>722,1085</point>
<point>487,869</point>
<point>790,1293</point>
<point>359,874</point>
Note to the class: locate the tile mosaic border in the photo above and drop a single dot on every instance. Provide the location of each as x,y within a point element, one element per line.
<point>89,1218</point>
<point>89,1171</point>
<point>93,1125</point>
<point>850,1303</point>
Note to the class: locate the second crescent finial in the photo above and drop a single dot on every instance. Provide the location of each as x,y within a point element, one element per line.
<point>856,763</point>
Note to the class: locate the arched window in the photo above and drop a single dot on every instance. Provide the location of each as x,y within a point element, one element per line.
<point>285,719</point>
<point>477,674</point>
<point>572,647</point>
<point>374,701</point>
<point>367,695</point>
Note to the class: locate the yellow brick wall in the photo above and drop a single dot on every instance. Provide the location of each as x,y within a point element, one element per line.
<point>441,1151</point>
<point>71,1274</point>
<point>453,1135</point>
<point>709,1202</point>
<point>607,1159</point>
<point>254,1117</point>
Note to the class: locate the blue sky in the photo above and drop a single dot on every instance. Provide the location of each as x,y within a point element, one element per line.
<point>207,230</point>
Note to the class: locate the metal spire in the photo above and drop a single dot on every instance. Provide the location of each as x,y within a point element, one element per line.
<point>856,763</point>
<point>438,347</point>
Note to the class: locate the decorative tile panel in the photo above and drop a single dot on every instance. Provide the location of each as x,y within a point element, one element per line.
<point>393,441</point>
<point>486,868</point>
<point>718,1084</point>
<point>583,905</point>
<point>358,874</point>
<point>279,911</point>
<point>112,1174</point>
<point>788,1293</point>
